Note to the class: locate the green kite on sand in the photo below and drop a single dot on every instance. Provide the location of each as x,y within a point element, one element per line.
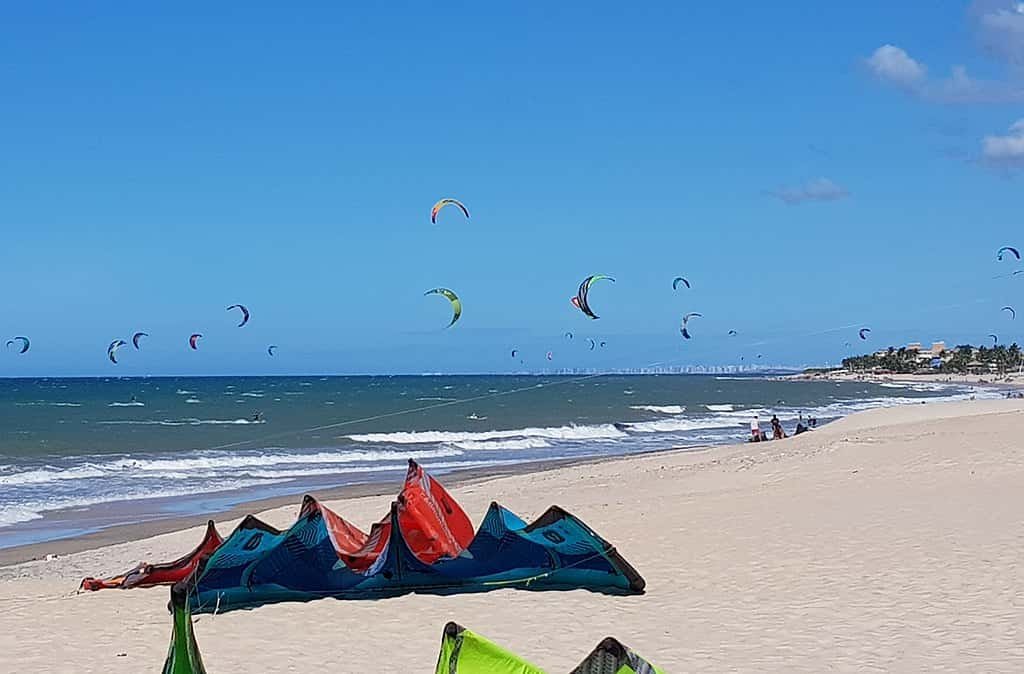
<point>464,652</point>
<point>183,654</point>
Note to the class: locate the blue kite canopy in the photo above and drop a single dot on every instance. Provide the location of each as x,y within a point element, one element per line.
<point>417,547</point>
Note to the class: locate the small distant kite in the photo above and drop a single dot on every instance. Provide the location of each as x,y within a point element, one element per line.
<point>733,333</point>
<point>677,280</point>
<point>848,345</point>
<point>453,298</point>
<point>580,301</point>
<point>447,202</point>
<point>1013,314</point>
<point>112,349</point>
<point>603,344</point>
<point>995,339</point>
<point>136,337</point>
<point>593,344</point>
<point>25,344</point>
<point>193,341</point>
<point>569,335</point>
<point>271,349</point>
<point>1007,249</point>
<point>245,313</point>
<point>550,356</point>
<point>863,333</point>
<point>686,320</point>
<point>514,352</point>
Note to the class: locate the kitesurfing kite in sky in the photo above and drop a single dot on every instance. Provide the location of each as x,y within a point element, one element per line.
<point>448,202</point>
<point>25,344</point>
<point>1007,249</point>
<point>580,301</point>
<point>453,298</point>
<point>112,349</point>
<point>686,319</point>
<point>245,313</point>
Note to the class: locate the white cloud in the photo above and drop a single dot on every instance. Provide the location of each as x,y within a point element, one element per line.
<point>819,189</point>
<point>999,25</point>
<point>1005,151</point>
<point>960,87</point>
<point>894,65</point>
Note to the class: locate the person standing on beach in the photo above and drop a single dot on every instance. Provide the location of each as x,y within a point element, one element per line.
<point>755,430</point>
<point>777,432</point>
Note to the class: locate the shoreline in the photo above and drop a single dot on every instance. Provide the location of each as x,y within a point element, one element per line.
<point>76,533</point>
<point>885,540</point>
<point>126,533</point>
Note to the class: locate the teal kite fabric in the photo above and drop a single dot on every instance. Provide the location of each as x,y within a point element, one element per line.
<point>425,544</point>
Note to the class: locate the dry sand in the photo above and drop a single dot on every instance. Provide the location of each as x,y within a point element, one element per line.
<point>888,541</point>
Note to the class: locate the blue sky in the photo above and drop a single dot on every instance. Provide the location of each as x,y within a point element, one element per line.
<point>806,165</point>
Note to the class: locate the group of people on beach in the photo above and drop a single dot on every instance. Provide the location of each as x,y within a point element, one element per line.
<point>778,433</point>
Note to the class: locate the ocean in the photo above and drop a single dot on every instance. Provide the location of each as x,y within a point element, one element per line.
<point>71,449</point>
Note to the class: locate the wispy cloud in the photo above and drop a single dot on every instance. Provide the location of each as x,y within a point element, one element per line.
<point>999,28</point>
<point>894,66</point>
<point>819,189</point>
<point>1006,151</point>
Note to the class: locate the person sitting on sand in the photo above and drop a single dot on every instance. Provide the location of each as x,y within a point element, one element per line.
<point>800,428</point>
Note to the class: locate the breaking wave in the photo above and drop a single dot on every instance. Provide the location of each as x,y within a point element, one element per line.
<point>599,432</point>
<point>659,409</point>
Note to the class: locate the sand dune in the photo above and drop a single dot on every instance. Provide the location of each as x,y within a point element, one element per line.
<point>887,541</point>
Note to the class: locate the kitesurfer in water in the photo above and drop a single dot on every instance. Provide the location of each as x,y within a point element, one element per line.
<point>257,417</point>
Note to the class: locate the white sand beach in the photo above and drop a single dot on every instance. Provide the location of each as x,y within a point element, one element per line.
<point>891,540</point>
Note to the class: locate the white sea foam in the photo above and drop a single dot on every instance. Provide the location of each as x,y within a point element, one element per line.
<point>502,445</point>
<point>679,425</point>
<point>193,401</point>
<point>51,474</point>
<point>134,403</point>
<point>210,464</point>
<point>660,409</point>
<point>15,514</point>
<point>719,408</point>
<point>601,432</point>
<point>181,422</point>
<point>24,512</point>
